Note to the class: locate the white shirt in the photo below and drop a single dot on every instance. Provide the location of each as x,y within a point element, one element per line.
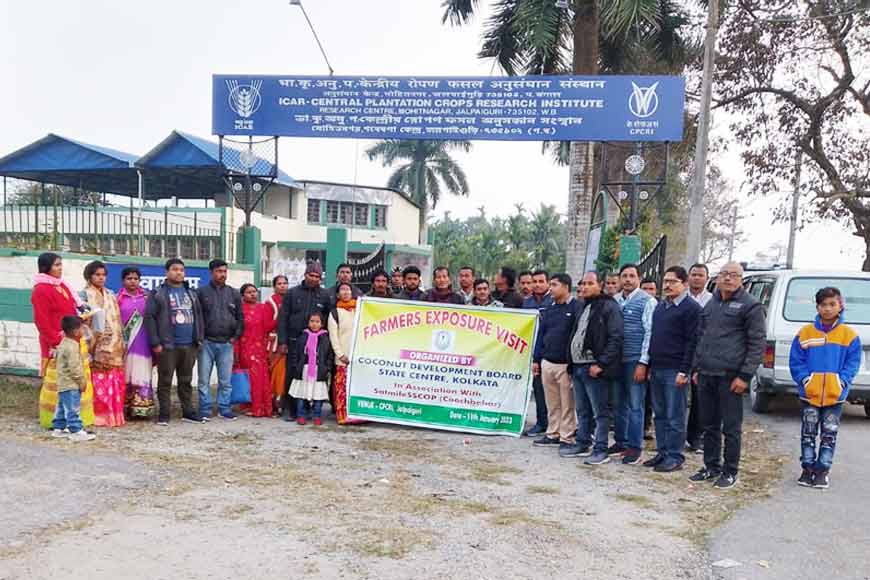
<point>702,298</point>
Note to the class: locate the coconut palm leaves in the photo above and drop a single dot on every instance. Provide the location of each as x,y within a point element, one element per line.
<point>425,170</point>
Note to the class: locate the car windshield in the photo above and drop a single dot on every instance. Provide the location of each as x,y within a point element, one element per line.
<point>800,298</point>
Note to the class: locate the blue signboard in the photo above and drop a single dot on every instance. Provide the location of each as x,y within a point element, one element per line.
<point>536,108</point>
<point>153,276</point>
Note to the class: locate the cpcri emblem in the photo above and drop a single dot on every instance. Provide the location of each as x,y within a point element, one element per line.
<point>644,101</point>
<point>244,99</point>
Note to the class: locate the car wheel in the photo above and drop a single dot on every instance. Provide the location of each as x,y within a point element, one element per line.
<point>760,400</point>
<point>867,409</point>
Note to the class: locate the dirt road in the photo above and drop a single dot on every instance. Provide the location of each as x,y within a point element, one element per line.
<point>257,498</point>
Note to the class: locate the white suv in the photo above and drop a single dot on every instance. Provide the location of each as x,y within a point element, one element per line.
<point>789,301</point>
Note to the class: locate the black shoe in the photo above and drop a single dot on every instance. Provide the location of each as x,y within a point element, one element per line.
<point>535,431</point>
<point>821,480</point>
<point>726,481</point>
<point>654,461</point>
<point>573,450</point>
<point>192,418</point>
<point>705,474</point>
<point>806,478</point>
<point>631,457</point>
<point>616,449</point>
<point>668,466</point>
<point>546,442</point>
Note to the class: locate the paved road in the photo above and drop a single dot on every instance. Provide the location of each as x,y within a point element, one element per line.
<point>806,533</point>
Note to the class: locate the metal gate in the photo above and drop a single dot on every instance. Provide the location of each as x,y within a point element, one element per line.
<point>653,264</point>
<point>363,268</point>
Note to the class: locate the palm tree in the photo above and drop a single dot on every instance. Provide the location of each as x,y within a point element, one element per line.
<point>426,165</point>
<point>540,37</point>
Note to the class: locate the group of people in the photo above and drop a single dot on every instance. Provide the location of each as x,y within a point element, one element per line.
<point>599,357</point>
<point>695,353</point>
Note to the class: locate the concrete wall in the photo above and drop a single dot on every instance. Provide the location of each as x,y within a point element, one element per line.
<point>19,343</point>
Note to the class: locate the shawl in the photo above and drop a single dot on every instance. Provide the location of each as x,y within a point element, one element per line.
<point>49,279</point>
<point>311,351</point>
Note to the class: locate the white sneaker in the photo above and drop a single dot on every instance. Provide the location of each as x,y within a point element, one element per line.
<point>59,433</point>
<point>82,435</point>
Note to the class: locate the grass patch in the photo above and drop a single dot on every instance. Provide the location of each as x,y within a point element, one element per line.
<point>19,397</point>
<point>542,489</point>
<point>388,542</point>
<point>638,500</point>
<point>519,518</point>
<point>491,472</point>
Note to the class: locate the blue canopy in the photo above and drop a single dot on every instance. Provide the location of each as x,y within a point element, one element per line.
<point>182,165</point>
<point>61,161</point>
<point>185,165</point>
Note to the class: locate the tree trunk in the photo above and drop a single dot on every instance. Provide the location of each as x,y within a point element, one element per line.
<point>581,188</point>
<point>423,200</point>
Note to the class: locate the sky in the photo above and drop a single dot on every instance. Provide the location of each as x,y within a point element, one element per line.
<point>124,74</point>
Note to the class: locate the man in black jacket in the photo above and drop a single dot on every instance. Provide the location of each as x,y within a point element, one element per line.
<point>298,305</point>
<point>223,324</point>
<point>411,284</point>
<point>730,348</point>
<point>173,319</point>
<point>595,352</point>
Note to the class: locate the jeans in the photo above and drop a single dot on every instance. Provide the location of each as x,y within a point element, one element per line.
<point>176,361</point>
<point>669,405</point>
<point>813,419</point>
<point>591,397</point>
<point>218,354</point>
<point>628,408</point>
<point>721,414</point>
<point>300,408</point>
<point>67,415</point>
<point>540,403</point>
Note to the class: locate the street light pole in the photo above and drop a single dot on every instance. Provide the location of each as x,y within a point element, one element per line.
<point>313,32</point>
<point>696,193</point>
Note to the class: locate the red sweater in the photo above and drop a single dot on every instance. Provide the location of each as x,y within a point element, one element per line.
<point>50,305</point>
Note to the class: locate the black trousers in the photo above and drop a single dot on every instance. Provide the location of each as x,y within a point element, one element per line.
<point>694,427</point>
<point>721,414</point>
<point>176,361</point>
<point>540,403</point>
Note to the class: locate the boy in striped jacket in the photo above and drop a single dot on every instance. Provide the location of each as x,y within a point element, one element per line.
<point>825,357</point>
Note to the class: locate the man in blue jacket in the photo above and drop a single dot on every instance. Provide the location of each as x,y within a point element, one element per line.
<point>672,348</point>
<point>551,363</point>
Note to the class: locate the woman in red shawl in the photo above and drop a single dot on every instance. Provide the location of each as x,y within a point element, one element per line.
<point>277,361</point>
<point>251,350</point>
<point>52,299</point>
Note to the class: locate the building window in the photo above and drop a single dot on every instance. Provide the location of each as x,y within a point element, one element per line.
<point>347,213</point>
<point>155,247</point>
<point>313,211</point>
<point>360,214</point>
<point>188,252</point>
<point>379,216</point>
<point>332,212</point>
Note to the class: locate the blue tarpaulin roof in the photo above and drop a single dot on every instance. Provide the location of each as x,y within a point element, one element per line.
<point>61,161</point>
<point>182,165</point>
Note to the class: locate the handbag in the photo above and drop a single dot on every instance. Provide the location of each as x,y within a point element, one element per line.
<point>241,387</point>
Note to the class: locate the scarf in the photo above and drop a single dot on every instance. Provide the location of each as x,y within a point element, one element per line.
<point>578,353</point>
<point>346,304</point>
<point>311,351</point>
<point>49,279</point>
<point>442,295</point>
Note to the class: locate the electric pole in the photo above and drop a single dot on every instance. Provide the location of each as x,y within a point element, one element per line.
<point>734,219</point>
<point>696,193</point>
<point>795,201</point>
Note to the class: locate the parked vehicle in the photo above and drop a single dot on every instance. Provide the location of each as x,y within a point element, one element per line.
<point>788,297</point>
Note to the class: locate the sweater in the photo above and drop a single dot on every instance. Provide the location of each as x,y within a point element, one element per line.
<point>637,312</point>
<point>824,363</point>
<point>554,332</point>
<point>340,326</point>
<point>70,368</point>
<point>674,334</point>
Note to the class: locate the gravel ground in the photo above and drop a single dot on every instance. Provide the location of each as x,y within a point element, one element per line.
<point>260,496</point>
